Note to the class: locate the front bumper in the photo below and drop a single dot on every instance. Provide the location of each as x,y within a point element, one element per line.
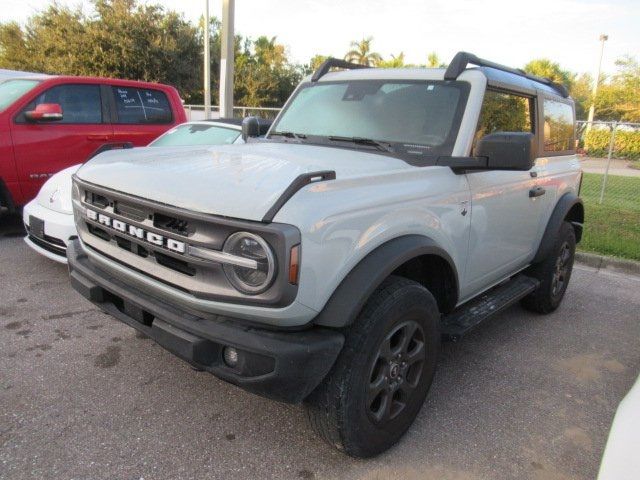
<point>281,365</point>
<point>59,231</point>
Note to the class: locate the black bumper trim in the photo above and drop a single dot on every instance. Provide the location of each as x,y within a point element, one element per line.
<point>48,246</point>
<point>284,366</point>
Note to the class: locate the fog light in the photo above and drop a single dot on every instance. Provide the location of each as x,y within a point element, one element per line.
<point>230,356</point>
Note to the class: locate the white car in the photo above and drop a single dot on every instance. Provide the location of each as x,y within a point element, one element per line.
<point>621,460</point>
<point>48,218</point>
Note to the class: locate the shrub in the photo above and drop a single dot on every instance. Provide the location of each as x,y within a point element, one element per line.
<point>627,145</point>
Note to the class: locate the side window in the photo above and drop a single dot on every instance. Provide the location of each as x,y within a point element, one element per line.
<point>141,105</point>
<point>80,103</point>
<point>504,112</point>
<point>558,126</point>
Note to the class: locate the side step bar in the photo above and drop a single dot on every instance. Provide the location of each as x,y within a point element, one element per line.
<point>470,315</point>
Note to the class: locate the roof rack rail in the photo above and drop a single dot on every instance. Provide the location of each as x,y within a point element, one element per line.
<point>462,59</point>
<point>329,63</point>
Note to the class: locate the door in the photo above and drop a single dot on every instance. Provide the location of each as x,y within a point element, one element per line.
<point>43,148</point>
<point>141,114</point>
<point>506,206</point>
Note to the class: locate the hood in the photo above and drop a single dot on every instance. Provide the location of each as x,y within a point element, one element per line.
<point>55,194</point>
<point>239,181</point>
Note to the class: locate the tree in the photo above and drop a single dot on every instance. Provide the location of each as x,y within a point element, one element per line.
<point>264,76</point>
<point>619,98</point>
<point>122,39</point>
<point>433,61</point>
<point>395,62</point>
<point>543,67</point>
<point>361,53</point>
<point>315,63</point>
<point>581,93</point>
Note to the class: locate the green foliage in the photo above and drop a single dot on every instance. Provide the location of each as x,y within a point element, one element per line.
<point>315,63</point>
<point>627,143</point>
<point>123,39</point>
<point>543,67</point>
<point>361,53</point>
<point>581,92</point>
<point>394,62</point>
<point>619,97</point>
<point>141,41</point>
<point>263,76</point>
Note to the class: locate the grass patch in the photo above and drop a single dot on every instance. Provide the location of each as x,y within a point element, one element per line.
<point>612,228</point>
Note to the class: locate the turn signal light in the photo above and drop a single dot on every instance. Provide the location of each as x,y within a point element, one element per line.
<point>294,265</point>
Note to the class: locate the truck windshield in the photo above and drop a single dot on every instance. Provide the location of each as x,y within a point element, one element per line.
<point>410,118</point>
<point>11,90</point>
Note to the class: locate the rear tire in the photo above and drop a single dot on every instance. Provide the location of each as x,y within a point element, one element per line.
<point>554,273</point>
<point>382,376</point>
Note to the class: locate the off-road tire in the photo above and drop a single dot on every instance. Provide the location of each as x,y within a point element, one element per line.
<point>553,273</point>
<point>399,316</point>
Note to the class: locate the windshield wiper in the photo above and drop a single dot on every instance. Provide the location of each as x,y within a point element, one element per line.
<point>297,136</point>
<point>383,146</point>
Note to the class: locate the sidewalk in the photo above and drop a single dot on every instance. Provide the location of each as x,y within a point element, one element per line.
<point>617,167</point>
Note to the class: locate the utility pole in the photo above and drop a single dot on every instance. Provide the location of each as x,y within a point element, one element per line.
<point>592,108</point>
<point>227,59</point>
<point>207,63</point>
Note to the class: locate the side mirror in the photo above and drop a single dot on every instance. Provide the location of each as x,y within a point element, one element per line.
<point>250,128</point>
<point>45,112</point>
<point>507,150</point>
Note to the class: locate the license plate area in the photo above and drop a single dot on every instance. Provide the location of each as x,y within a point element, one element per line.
<point>36,227</point>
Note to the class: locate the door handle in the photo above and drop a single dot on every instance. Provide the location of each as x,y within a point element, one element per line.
<point>536,192</point>
<point>98,137</point>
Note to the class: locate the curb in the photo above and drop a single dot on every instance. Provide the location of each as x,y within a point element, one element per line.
<point>613,264</point>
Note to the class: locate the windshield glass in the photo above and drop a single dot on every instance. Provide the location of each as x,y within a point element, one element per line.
<point>196,134</point>
<point>415,117</point>
<point>11,90</point>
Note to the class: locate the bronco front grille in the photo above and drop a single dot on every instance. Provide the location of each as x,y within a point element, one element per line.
<point>168,244</point>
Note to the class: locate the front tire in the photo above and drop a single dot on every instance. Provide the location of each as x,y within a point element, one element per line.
<point>382,376</point>
<point>554,273</point>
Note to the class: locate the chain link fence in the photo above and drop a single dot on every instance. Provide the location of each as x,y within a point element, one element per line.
<point>610,153</point>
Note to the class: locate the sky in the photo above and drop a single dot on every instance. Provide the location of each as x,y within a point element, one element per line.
<point>510,32</point>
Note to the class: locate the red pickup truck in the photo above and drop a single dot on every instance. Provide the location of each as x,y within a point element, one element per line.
<point>48,123</point>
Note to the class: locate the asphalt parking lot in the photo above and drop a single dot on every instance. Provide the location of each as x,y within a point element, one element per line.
<point>83,397</point>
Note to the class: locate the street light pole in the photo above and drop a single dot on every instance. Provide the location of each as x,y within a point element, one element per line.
<point>207,64</point>
<point>227,59</point>
<point>592,108</point>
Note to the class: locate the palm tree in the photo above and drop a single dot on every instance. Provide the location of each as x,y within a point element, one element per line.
<point>433,61</point>
<point>361,53</point>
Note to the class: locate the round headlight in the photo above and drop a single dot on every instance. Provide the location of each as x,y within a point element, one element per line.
<point>252,247</point>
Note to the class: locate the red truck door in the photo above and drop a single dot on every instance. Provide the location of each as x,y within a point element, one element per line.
<point>148,110</point>
<point>43,148</point>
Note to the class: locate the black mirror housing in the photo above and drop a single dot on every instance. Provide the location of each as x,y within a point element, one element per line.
<point>250,128</point>
<point>507,150</point>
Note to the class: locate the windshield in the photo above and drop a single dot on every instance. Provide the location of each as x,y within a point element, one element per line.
<point>415,118</point>
<point>196,134</point>
<point>11,90</point>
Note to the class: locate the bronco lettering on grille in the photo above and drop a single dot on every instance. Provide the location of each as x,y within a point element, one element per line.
<point>134,231</point>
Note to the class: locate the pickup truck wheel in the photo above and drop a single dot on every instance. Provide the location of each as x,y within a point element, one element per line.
<point>554,273</point>
<point>383,374</point>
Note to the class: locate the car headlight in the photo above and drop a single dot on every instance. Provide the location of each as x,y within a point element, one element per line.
<point>250,280</point>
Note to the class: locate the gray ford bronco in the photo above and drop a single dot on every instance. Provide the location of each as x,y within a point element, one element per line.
<point>384,210</point>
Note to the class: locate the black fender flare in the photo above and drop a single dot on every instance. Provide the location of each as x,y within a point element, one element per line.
<point>349,297</point>
<point>565,205</point>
